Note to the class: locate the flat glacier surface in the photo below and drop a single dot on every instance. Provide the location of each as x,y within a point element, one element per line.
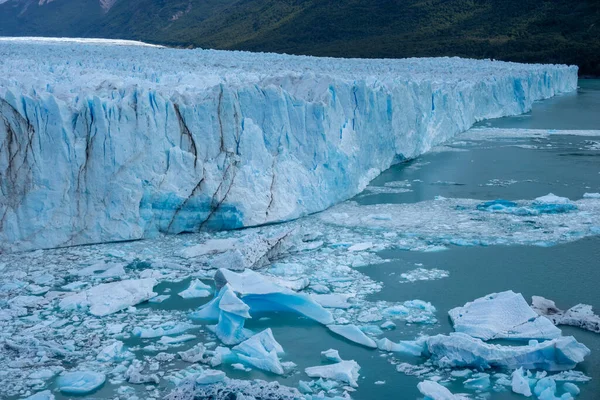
<point>390,261</point>
<point>111,141</point>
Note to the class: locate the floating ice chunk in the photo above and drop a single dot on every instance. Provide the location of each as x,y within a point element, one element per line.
<point>354,334</point>
<point>45,395</point>
<point>479,381</point>
<point>80,382</point>
<point>331,355</point>
<point>388,325</point>
<point>165,329</point>
<point>168,340</point>
<point>461,350</point>
<point>412,311</point>
<point>434,391</point>
<point>262,294</point>
<point>580,315</point>
<point>134,374</point>
<point>196,289</point>
<point>296,284</point>
<point>108,298</point>
<point>159,299</point>
<point>261,351</point>
<point>195,354</point>
<point>520,383</point>
<point>571,388</point>
<point>114,353</point>
<point>343,371</point>
<point>412,347</point>
<point>571,376</point>
<point>211,246</point>
<point>231,314</point>
<point>591,195</point>
<point>504,315</point>
<point>360,246</point>
<point>423,274</point>
<point>333,300</point>
<point>551,198</point>
<point>210,377</point>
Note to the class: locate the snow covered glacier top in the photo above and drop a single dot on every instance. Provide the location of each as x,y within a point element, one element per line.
<point>104,142</point>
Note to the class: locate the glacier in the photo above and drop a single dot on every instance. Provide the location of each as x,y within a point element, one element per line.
<point>103,142</point>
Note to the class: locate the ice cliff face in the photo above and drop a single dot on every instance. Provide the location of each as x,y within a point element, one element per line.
<point>100,142</point>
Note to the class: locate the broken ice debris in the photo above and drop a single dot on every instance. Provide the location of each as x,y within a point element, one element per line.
<point>80,382</point>
<point>520,382</point>
<point>331,355</point>
<point>45,395</point>
<point>343,371</point>
<point>196,289</point>
<point>261,351</point>
<point>108,298</point>
<point>504,315</point>
<point>354,334</point>
<point>580,315</point>
<point>434,391</point>
<point>114,352</point>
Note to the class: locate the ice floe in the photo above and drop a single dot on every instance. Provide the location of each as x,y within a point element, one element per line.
<point>196,289</point>
<point>580,315</point>
<point>504,315</point>
<point>343,371</point>
<point>434,391</point>
<point>80,382</point>
<point>108,298</point>
<point>354,334</point>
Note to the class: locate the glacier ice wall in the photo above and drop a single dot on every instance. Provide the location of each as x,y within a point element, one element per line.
<point>102,143</point>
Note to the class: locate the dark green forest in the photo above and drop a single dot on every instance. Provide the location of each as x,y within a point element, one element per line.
<point>546,31</point>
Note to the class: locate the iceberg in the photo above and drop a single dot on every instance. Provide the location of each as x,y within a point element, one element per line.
<point>461,350</point>
<point>261,351</point>
<point>80,382</point>
<point>580,315</point>
<point>262,294</point>
<point>108,298</point>
<point>504,315</point>
<point>434,391</point>
<point>343,371</point>
<point>173,140</point>
<point>353,334</point>
<point>195,290</point>
<point>520,382</point>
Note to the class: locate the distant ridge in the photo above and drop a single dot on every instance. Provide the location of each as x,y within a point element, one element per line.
<point>545,31</point>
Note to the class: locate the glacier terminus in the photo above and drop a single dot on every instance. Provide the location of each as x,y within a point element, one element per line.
<point>106,142</point>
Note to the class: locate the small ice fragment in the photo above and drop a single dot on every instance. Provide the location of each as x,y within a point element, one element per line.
<point>210,376</point>
<point>80,382</point>
<point>343,371</point>
<point>388,325</point>
<point>520,383</point>
<point>45,395</point>
<point>360,246</point>
<point>354,334</point>
<point>114,352</point>
<point>195,290</point>
<point>333,300</point>
<point>434,391</point>
<point>331,355</point>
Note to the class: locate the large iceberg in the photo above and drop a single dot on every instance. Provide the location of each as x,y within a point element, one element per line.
<point>461,350</point>
<point>107,143</point>
<point>504,315</point>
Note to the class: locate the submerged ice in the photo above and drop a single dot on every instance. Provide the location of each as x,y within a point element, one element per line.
<point>108,143</point>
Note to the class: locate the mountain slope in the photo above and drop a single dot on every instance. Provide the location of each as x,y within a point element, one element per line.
<point>520,30</point>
